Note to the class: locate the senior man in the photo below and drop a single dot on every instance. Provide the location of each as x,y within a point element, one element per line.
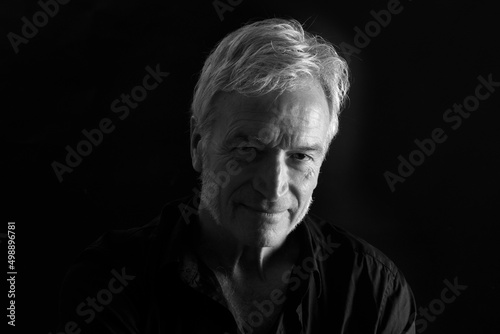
<point>244,255</point>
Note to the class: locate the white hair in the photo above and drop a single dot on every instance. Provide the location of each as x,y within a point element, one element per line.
<point>267,56</point>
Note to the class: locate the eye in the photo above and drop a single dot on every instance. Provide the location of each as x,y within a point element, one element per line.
<point>300,157</point>
<point>245,149</point>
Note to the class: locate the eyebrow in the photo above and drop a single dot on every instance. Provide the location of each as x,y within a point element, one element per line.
<point>242,138</point>
<point>316,147</point>
<point>247,138</point>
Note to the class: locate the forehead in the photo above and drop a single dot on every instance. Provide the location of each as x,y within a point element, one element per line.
<point>299,115</point>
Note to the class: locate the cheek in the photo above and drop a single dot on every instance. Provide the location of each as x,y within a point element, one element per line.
<point>305,186</point>
<point>220,164</point>
<point>313,181</point>
<point>230,175</point>
<point>307,190</point>
<point>306,179</point>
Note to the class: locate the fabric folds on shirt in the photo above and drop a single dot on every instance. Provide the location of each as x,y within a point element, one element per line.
<point>148,280</point>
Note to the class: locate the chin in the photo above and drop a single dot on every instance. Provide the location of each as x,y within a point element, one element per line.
<point>265,234</point>
<point>265,240</point>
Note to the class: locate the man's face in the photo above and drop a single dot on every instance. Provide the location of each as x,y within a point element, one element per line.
<point>262,163</point>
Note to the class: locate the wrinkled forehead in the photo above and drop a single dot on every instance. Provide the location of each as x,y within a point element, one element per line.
<point>300,114</point>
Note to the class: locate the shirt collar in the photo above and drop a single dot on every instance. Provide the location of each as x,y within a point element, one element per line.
<point>309,260</point>
<point>178,222</point>
<point>175,235</point>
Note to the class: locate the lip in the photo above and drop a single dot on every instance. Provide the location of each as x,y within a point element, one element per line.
<point>264,211</point>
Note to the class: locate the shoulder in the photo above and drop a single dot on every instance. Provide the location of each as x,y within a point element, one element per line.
<point>350,250</point>
<point>113,252</point>
<point>115,271</point>
<point>361,281</point>
<point>136,244</point>
<point>120,246</point>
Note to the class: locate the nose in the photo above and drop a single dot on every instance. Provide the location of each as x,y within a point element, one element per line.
<point>271,178</point>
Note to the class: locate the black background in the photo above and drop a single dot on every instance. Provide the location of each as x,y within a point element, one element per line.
<point>439,224</point>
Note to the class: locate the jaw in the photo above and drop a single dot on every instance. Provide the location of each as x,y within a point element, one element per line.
<point>247,227</point>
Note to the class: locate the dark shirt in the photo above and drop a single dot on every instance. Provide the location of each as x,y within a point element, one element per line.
<point>149,280</point>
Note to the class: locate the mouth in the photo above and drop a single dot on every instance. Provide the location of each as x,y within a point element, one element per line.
<point>264,211</point>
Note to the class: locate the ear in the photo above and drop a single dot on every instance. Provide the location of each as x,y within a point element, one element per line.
<point>195,146</point>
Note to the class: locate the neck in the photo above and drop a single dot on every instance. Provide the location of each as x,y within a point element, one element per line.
<point>228,256</point>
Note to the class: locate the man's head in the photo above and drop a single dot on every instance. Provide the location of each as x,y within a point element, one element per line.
<point>264,112</point>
